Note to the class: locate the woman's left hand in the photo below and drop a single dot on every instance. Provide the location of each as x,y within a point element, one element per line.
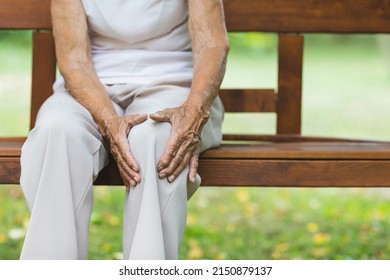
<point>184,142</point>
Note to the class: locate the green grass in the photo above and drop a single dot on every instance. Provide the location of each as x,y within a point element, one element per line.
<point>239,223</point>
<point>346,93</point>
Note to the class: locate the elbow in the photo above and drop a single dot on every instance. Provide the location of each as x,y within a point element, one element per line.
<point>226,46</point>
<point>223,45</point>
<point>223,48</point>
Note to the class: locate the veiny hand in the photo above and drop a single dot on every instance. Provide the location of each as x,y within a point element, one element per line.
<point>184,142</point>
<point>115,130</point>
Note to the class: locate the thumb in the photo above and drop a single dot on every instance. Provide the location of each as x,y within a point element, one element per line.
<point>136,119</point>
<point>161,116</point>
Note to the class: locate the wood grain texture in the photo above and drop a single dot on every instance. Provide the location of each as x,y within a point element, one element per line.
<point>333,16</point>
<point>25,14</point>
<point>11,147</point>
<point>257,172</point>
<point>9,170</point>
<point>289,106</point>
<point>293,173</point>
<point>299,16</point>
<point>43,71</point>
<point>300,150</point>
<point>290,138</point>
<point>248,100</point>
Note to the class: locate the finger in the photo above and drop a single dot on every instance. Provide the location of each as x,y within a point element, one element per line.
<point>130,175</point>
<point>169,152</point>
<point>161,116</point>
<point>181,167</point>
<point>126,169</point>
<point>133,120</point>
<point>125,177</point>
<point>124,151</point>
<point>136,119</point>
<point>194,162</point>
<point>181,155</point>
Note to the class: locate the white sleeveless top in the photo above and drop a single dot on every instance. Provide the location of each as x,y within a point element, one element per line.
<point>139,41</point>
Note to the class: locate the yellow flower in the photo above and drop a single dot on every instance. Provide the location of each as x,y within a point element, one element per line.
<point>282,247</point>
<point>106,247</point>
<point>242,195</point>
<point>26,221</point>
<point>18,219</point>
<point>195,252</point>
<point>379,215</point>
<point>320,252</point>
<point>3,238</point>
<point>191,219</point>
<point>312,227</point>
<point>113,220</point>
<point>279,250</point>
<point>321,238</point>
<point>250,210</point>
<point>219,256</point>
<point>276,255</point>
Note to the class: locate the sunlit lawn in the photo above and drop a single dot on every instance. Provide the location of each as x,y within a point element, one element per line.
<point>346,93</point>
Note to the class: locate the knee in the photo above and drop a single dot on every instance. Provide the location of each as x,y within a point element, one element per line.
<point>149,135</point>
<point>59,124</point>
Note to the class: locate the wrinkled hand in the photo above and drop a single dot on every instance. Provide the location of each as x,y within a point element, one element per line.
<point>184,142</point>
<point>115,130</point>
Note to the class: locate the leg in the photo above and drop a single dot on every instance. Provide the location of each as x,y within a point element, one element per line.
<point>155,211</point>
<point>147,204</point>
<point>60,159</point>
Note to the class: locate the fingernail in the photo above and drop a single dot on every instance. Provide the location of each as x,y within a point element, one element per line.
<point>171,179</point>
<point>193,179</point>
<point>137,178</point>
<point>162,175</point>
<point>132,182</point>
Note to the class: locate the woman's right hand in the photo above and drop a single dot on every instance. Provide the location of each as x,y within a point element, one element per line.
<point>116,130</point>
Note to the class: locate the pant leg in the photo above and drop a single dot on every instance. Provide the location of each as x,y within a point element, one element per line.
<point>155,211</point>
<point>60,159</point>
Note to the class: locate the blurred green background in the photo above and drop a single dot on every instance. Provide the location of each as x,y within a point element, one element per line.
<point>346,93</point>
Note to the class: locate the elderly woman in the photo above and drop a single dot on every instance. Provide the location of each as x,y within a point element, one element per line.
<point>139,79</point>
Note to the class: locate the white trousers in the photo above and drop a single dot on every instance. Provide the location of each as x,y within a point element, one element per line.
<point>63,155</point>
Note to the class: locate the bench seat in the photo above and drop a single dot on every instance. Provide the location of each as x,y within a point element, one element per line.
<point>261,163</point>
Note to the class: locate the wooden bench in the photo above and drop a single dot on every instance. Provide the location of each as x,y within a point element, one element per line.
<point>284,159</point>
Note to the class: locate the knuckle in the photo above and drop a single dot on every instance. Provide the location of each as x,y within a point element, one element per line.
<point>164,162</point>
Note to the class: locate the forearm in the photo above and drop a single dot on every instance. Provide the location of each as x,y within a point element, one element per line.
<point>209,70</point>
<point>74,60</point>
<point>84,85</point>
<point>210,47</point>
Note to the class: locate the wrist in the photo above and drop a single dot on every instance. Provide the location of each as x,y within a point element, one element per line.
<point>197,110</point>
<point>196,105</point>
<point>105,120</point>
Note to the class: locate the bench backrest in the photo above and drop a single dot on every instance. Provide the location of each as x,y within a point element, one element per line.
<point>288,18</point>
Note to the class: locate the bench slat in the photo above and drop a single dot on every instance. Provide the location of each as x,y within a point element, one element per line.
<point>335,16</point>
<point>25,14</point>
<point>296,16</point>
<point>266,150</point>
<point>301,150</point>
<point>249,100</point>
<point>295,173</point>
<point>289,107</point>
<point>9,170</point>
